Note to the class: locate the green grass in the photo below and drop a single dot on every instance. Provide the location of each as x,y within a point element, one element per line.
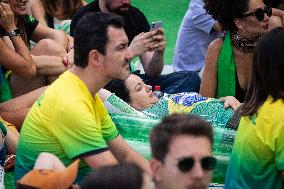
<point>170,12</point>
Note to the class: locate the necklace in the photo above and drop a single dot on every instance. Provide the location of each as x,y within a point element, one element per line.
<point>244,44</point>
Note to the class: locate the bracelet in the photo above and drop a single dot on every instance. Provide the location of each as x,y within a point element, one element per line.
<point>13,33</point>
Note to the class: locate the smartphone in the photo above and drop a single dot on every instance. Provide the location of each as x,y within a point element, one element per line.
<point>155,25</point>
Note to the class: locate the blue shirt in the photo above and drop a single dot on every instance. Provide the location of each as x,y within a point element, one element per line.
<point>195,34</point>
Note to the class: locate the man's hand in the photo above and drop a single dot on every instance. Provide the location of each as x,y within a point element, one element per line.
<point>150,41</point>
<point>7,17</point>
<point>158,42</point>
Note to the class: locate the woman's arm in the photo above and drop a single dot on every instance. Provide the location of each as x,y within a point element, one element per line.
<point>20,61</point>
<point>44,32</point>
<point>36,9</point>
<point>230,101</point>
<point>208,85</point>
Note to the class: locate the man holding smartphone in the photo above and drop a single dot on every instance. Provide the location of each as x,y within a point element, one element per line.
<point>148,45</point>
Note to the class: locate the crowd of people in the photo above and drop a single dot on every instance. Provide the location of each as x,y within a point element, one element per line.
<point>67,87</point>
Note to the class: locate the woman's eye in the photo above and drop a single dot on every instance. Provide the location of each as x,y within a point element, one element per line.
<point>139,88</point>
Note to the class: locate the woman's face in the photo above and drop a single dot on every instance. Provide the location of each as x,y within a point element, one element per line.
<point>250,25</point>
<point>141,95</point>
<point>18,6</point>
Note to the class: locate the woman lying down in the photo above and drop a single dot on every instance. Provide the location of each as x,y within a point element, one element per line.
<point>134,97</point>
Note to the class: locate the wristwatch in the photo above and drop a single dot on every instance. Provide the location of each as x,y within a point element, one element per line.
<point>15,32</point>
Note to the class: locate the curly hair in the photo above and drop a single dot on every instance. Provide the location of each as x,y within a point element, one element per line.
<point>226,11</point>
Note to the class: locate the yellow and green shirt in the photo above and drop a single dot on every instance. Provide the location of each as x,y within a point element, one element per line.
<point>66,121</point>
<point>258,152</point>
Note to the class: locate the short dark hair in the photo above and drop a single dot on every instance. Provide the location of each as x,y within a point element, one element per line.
<point>120,89</point>
<point>91,33</point>
<point>267,72</point>
<point>121,176</point>
<point>177,124</point>
<point>226,11</point>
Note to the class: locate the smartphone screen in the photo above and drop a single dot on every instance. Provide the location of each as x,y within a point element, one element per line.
<point>155,25</point>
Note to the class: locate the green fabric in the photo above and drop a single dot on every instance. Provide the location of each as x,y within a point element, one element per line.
<point>226,81</point>
<point>3,129</point>
<point>135,126</point>
<point>5,90</point>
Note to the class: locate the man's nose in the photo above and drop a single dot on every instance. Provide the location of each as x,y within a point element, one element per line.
<point>129,55</point>
<point>197,171</point>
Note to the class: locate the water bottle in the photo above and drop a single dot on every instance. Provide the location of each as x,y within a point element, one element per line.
<point>157,91</point>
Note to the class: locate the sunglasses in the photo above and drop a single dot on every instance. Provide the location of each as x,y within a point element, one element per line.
<point>186,164</point>
<point>259,13</point>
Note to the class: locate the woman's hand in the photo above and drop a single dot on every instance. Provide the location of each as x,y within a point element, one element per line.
<point>230,101</point>
<point>7,17</point>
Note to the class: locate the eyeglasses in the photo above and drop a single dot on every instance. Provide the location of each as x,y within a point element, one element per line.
<point>259,13</point>
<point>186,164</point>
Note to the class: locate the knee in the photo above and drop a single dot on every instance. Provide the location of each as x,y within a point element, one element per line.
<point>48,47</point>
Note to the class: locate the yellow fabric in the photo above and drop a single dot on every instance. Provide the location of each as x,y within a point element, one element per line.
<point>66,121</point>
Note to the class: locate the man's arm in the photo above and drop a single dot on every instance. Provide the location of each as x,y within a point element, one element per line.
<point>119,151</point>
<point>101,159</point>
<point>150,48</point>
<point>123,152</point>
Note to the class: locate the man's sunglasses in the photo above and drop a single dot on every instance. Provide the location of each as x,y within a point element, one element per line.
<point>186,164</point>
<point>259,13</point>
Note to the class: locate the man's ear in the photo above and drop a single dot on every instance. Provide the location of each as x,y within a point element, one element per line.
<point>94,57</point>
<point>156,166</point>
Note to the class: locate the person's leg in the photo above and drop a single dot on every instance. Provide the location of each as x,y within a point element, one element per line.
<point>48,47</point>
<point>51,48</point>
<point>15,110</point>
<point>175,82</point>
<point>20,85</point>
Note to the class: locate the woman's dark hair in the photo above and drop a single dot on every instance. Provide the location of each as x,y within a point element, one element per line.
<point>69,7</point>
<point>118,87</point>
<point>226,11</point>
<point>267,72</point>
<point>121,176</point>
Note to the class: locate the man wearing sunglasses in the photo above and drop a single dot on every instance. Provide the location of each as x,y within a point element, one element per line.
<point>181,150</point>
